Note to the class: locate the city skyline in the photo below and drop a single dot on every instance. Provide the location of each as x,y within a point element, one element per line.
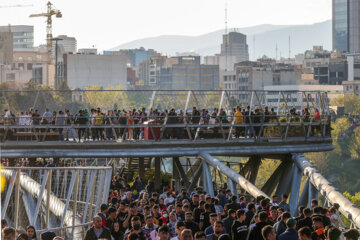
<point>98,24</point>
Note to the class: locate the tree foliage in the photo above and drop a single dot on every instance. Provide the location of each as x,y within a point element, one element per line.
<point>350,102</point>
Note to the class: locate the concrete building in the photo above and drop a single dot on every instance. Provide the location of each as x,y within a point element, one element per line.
<point>264,72</point>
<point>30,65</point>
<point>82,71</point>
<point>67,44</point>
<point>294,99</point>
<point>87,51</point>
<point>235,44</point>
<point>135,56</point>
<point>346,25</point>
<point>352,85</point>
<point>23,36</point>
<point>6,48</point>
<point>179,73</point>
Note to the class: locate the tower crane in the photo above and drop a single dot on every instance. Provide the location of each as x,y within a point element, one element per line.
<point>50,12</point>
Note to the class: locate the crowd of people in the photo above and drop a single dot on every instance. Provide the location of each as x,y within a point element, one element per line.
<point>138,212</point>
<point>91,124</point>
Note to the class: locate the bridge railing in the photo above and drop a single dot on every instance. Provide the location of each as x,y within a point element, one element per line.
<point>260,127</point>
<point>59,199</point>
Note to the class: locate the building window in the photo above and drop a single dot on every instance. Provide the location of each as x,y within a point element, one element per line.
<point>10,77</point>
<point>29,66</point>
<point>21,66</point>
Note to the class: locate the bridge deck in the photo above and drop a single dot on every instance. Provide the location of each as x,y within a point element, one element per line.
<point>242,146</point>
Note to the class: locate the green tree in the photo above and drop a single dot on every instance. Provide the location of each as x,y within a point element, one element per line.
<point>354,199</point>
<point>350,102</point>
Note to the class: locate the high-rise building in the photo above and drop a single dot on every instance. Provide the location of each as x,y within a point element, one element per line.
<point>23,36</point>
<point>67,44</point>
<point>346,25</point>
<point>235,44</point>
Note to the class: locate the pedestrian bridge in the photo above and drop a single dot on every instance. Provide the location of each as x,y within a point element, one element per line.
<point>278,125</point>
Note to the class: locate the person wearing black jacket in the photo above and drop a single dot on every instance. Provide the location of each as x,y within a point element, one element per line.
<point>255,233</point>
<point>97,231</point>
<point>229,220</point>
<point>239,229</point>
<point>306,221</point>
<point>250,213</point>
<point>190,224</point>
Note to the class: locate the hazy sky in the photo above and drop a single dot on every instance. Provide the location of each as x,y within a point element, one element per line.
<point>108,23</point>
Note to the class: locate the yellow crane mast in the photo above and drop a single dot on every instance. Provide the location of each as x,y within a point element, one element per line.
<point>50,12</point>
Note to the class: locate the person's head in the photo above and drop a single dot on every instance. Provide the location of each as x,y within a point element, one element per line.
<point>179,227</point>
<point>8,233</point>
<point>218,227</point>
<point>186,234</point>
<point>280,211</point>
<point>30,232</point>
<point>291,223</point>
<point>133,208</point>
<point>112,213</point>
<point>240,214</point>
<point>251,207</point>
<point>314,203</point>
<point>233,198</point>
<point>333,234</point>
<point>351,234</point>
<point>188,217</point>
<point>178,207</point>
<point>332,210</point>
<point>3,223</point>
<point>47,236</point>
<point>150,221</point>
<point>104,208</point>
<point>195,199</point>
<point>172,216</point>
<point>307,212</point>
<point>147,210</point>
<point>285,216</point>
<point>304,233</point>
<point>274,213</point>
<point>318,210</point>
<point>224,236</point>
<point>284,198</point>
<point>164,232</point>
<point>164,213</point>
<point>97,222</point>
<point>213,218</point>
<point>155,209</point>
<point>232,213</point>
<point>116,226</point>
<point>136,223</point>
<point>186,208</point>
<point>200,235</point>
<point>268,233</point>
<point>301,210</point>
<point>242,199</point>
<point>317,223</point>
<point>22,236</point>
<point>263,216</point>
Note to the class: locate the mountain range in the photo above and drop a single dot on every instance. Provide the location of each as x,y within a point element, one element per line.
<point>262,40</point>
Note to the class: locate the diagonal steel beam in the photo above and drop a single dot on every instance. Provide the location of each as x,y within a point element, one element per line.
<point>243,182</point>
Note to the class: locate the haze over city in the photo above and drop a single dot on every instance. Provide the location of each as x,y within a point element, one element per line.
<point>112,23</point>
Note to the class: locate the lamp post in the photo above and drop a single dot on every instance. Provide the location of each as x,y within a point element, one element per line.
<point>56,61</point>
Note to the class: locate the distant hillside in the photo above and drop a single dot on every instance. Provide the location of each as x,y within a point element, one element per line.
<point>303,37</point>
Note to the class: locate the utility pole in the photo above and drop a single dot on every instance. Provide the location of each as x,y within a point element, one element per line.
<point>56,85</point>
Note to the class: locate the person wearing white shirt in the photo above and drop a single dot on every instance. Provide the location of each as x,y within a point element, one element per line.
<point>47,116</point>
<point>22,121</point>
<point>169,199</point>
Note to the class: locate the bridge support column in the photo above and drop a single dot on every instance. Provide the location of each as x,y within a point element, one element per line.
<point>304,195</point>
<point>284,186</point>
<point>141,168</point>
<point>313,193</point>
<point>207,180</point>
<point>295,189</point>
<point>157,182</point>
<point>175,176</point>
<point>273,181</point>
<point>196,178</point>
<point>184,180</point>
